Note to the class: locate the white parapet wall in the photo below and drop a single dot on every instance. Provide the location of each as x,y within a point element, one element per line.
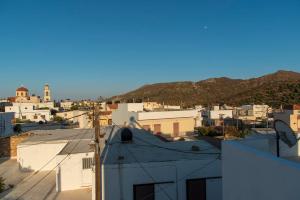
<point>167,114</point>
<point>38,156</point>
<point>250,174</point>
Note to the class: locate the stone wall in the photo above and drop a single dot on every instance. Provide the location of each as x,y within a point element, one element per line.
<point>8,145</point>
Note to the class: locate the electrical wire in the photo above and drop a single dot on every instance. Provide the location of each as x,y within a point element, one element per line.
<point>186,176</point>
<point>147,173</point>
<point>166,148</point>
<point>24,193</point>
<point>38,171</point>
<point>142,167</point>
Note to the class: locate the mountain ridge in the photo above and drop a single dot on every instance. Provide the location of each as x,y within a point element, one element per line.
<point>279,88</point>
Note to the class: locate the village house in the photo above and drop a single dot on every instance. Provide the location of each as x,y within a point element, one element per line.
<point>81,117</point>
<point>290,115</point>
<point>66,151</point>
<point>66,104</point>
<point>29,111</point>
<point>136,164</point>
<point>216,115</point>
<point>174,123</point>
<point>252,112</point>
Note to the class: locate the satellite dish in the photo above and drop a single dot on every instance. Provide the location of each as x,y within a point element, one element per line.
<point>285,133</point>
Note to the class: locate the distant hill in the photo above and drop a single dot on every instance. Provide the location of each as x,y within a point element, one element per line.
<point>282,87</point>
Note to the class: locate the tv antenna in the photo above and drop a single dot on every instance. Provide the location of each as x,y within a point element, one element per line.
<point>285,134</point>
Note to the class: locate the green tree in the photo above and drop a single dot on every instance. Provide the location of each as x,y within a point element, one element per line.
<point>2,184</point>
<point>18,128</point>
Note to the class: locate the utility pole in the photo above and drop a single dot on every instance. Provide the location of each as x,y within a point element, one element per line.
<point>97,153</point>
<point>223,124</point>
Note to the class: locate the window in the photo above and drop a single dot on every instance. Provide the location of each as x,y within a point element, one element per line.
<point>143,192</point>
<point>176,129</point>
<point>157,128</point>
<point>23,117</point>
<point>35,117</point>
<point>87,163</point>
<point>147,127</point>
<point>196,189</point>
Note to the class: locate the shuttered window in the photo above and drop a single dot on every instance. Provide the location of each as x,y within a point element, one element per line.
<point>87,163</point>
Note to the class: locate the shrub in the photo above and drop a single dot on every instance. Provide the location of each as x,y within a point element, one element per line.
<point>18,128</point>
<point>58,119</point>
<point>2,184</point>
<point>207,131</point>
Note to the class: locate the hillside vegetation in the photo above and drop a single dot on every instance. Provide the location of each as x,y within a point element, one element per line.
<point>280,88</point>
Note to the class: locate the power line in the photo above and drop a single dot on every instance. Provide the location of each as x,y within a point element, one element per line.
<point>186,176</point>
<point>24,193</point>
<point>144,169</point>
<point>177,150</point>
<point>43,165</point>
<point>170,149</point>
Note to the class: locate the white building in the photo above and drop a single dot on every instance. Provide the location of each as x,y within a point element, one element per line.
<point>78,116</point>
<point>145,167</point>
<point>66,105</point>
<point>29,111</point>
<point>67,151</point>
<point>257,111</point>
<point>6,127</point>
<point>216,115</point>
<point>175,123</point>
<point>75,172</point>
<point>251,169</point>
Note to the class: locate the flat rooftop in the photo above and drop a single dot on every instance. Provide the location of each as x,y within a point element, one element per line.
<point>58,135</point>
<point>77,146</point>
<point>145,148</point>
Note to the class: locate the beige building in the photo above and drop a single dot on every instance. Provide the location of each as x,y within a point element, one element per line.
<point>150,106</point>
<point>83,118</point>
<point>22,96</point>
<point>105,118</point>
<point>291,116</point>
<point>174,123</point>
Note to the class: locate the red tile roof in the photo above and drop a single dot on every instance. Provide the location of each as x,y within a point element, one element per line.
<point>113,106</point>
<point>106,113</point>
<point>11,99</point>
<point>22,89</point>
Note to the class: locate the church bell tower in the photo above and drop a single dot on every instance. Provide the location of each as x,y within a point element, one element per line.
<point>47,93</point>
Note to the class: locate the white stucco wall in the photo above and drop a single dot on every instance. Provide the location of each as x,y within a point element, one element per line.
<point>70,175</point>
<point>29,111</point>
<point>250,174</point>
<point>167,114</point>
<point>118,180</point>
<point>215,114</point>
<point>121,117</point>
<point>35,156</point>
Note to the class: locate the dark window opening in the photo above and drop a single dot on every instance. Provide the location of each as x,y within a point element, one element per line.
<point>196,189</point>
<point>143,192</point>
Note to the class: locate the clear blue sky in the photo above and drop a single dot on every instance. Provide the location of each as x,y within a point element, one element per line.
<point>86,48</point>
